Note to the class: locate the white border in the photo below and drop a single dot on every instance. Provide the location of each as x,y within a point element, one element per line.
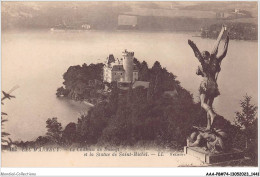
<point>174,171</point>
<point>178,171</point>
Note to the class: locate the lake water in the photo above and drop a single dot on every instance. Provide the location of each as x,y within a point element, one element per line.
<point>37,60</point>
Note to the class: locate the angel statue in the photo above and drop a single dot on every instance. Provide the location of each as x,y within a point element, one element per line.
<point>209,69</point>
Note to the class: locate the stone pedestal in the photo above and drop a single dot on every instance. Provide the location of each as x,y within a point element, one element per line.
<point>210,158</point>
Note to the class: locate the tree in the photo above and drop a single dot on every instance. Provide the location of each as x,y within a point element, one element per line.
<point>77,81</point>
<point>156,81</point>
<point>144,72</point>
<point>156,67</point>
<point>61,91</point>
<point>4,134</point>
<point>90,127</point>
<point>246,118</point>
<point>69,135</point>
<point>54,130</point>
<point>40,141</point>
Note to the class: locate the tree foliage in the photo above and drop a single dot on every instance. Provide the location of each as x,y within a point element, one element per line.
<point>79,81</point>
<point>246,120</point>
<point>69,134</point>
<point>54,130</point>
<point>6,142</point>
<point>247,115</point>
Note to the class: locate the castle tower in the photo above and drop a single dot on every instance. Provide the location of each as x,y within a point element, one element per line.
<point>128,65</point>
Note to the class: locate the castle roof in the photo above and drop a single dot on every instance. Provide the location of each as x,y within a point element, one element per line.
<point>118,68</point>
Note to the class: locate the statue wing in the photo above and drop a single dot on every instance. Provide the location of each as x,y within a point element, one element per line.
<point>196,51</point>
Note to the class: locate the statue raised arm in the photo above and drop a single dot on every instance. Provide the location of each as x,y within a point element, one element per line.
<point>223,55</point>
<point>215,48</point>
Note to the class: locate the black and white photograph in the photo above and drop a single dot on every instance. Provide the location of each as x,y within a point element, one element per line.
<point>129,84</point>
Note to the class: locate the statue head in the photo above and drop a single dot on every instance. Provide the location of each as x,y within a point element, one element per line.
<point>206,56</point>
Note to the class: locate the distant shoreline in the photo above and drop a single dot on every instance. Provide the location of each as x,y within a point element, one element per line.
<point>192,33</point>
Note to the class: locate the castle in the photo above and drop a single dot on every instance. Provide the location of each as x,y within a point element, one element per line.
<point>123,70</point>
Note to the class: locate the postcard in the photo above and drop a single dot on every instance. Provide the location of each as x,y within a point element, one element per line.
<point>129,84</point>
